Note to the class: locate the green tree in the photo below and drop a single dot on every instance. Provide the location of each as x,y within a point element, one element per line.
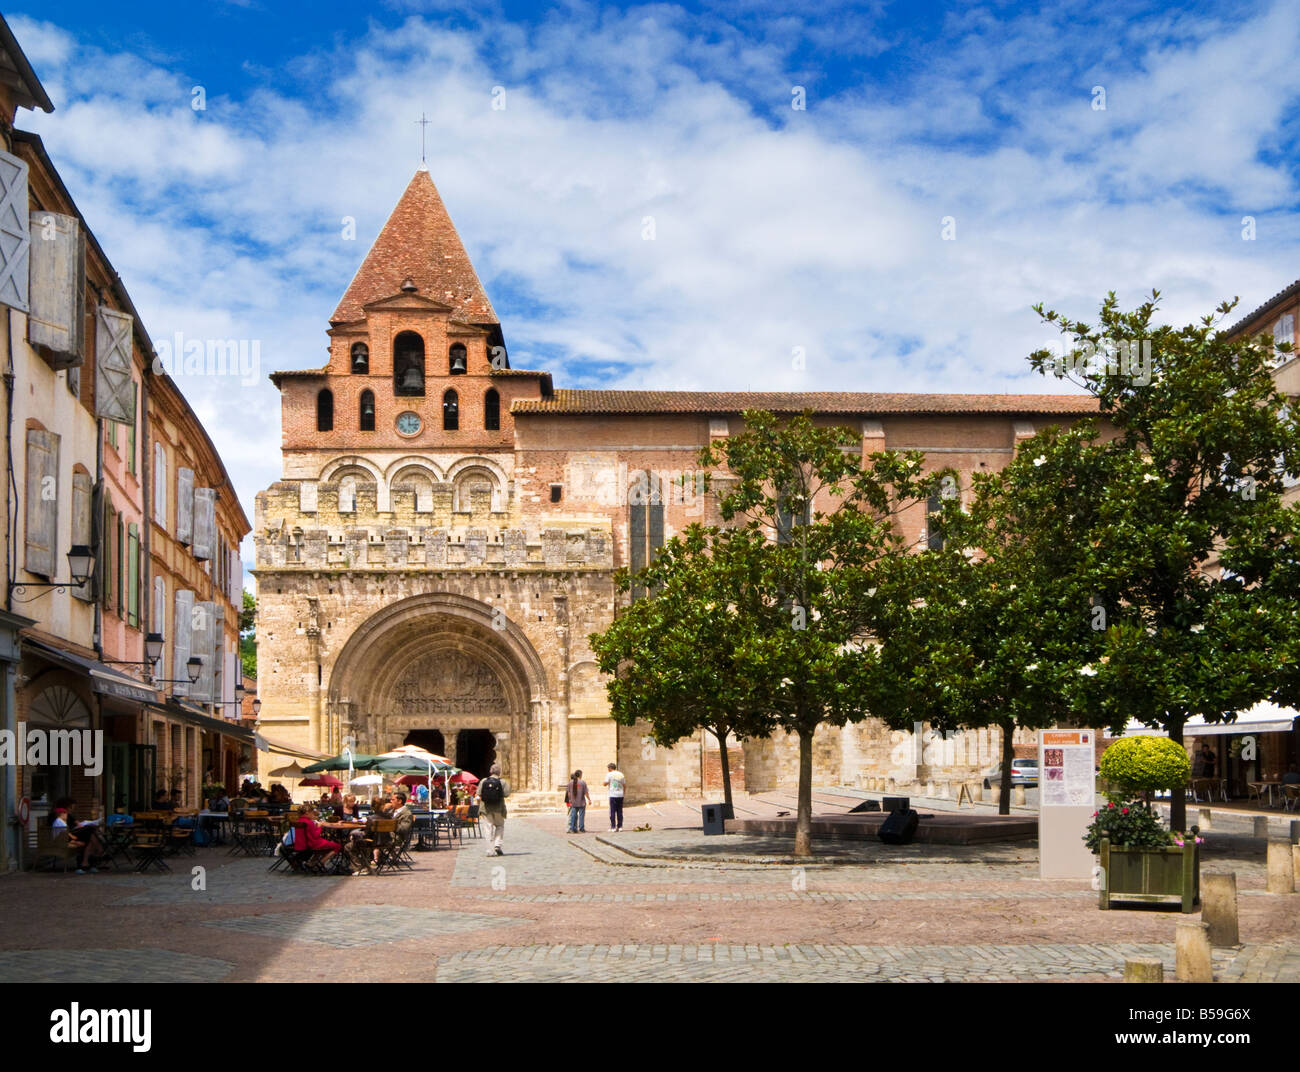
<point>248,635</point>
<point>1181,552</point>
<point>671,655</point>
<point>827,525</point>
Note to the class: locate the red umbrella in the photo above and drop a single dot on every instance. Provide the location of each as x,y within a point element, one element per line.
<point>322,780</point>
<point>465,778</point>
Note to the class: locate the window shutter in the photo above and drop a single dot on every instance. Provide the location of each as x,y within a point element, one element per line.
<point>42,505</point>
<point>160,484</point>
<point>121,566</point>
<point>185,505</point>
<point>133,576</point>
<point>205,522</point>
<point>201,633</point>
<point>83,515</point>
<point>15,234</point>
<point>237,581</point>
<point>104,568</point>
<point>158,620</point>
<point>56,315</point>
<point>114,388</point>
<point>182,631</point>
<point>229,679</point>
<point>130,463</point>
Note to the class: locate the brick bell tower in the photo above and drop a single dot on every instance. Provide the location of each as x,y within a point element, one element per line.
<point>404,594</point>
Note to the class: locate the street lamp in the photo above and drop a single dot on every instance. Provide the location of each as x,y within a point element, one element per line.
<point>193,667</point>
<point>81,564</point>
<point>153,649</point>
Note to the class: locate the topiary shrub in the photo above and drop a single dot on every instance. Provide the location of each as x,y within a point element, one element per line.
<point>1146,764</point>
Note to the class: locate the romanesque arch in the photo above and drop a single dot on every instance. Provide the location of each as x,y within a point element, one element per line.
<point>444,663</point>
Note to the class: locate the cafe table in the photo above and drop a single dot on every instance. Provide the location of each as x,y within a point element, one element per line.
<point>340,831</point>
<point>213,820</point>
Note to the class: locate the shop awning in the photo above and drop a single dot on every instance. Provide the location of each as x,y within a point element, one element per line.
<point>1262,718</point>
<point>267,744</point>
<point>204,722</point>
<point>104,679</point>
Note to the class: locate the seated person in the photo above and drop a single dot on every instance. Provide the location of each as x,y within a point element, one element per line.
<point>363,846</point>
<point>1291,777</point>
<point>84,837</point>
<point>176,799</point>
<point>221,802</point>
<point>308,838</point>
<point>162,801</point>
<point>350,806</point>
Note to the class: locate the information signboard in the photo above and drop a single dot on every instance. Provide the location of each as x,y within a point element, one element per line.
<point>1066,801</point>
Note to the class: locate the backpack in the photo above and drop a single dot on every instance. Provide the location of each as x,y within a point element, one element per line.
<point>491,791</point>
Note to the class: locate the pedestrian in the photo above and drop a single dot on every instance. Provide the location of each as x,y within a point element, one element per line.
<point>617,783</point>
<point>492,793</point>
<point>579,798</point>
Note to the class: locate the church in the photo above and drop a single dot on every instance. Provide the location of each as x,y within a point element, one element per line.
<point>444,537</point>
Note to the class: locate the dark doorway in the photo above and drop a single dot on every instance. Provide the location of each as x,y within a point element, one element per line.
<point>476,751</point>
<point>428,739</point>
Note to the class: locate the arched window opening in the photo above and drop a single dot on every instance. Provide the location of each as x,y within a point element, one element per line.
<point>450,412</point>
<point>408,365</point>
<point>325,411</point>
<point>492,410</point>
<point>367,411</point>
<point>360,359</point>
<point>348,495</point>
<point>458,362</point>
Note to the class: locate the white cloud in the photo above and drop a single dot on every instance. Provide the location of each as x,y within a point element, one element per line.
<point>774,228</point>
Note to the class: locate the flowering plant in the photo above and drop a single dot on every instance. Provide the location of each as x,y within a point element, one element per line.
<point>1128,824</point>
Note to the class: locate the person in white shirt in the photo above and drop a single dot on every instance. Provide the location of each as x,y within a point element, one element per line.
<point>617,783</point>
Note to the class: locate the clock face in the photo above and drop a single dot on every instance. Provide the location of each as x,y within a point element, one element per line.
<point>408,423</point>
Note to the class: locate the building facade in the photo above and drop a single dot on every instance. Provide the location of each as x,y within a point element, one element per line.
<point>86,416</point>
<point>445,534</point>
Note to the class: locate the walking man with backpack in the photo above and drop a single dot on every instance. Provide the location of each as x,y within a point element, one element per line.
<point>492,793</point>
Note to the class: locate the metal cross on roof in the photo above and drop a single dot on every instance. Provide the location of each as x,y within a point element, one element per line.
<point>422,123</point>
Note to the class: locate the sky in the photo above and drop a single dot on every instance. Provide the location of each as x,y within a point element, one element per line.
<point>730,195</point>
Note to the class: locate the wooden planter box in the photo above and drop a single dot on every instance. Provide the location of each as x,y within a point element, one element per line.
<point>1170,875</point>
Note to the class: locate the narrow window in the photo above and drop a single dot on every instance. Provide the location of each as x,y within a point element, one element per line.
<point>360,359</point>
<point>456,360</point>
<point>645,524</point>
<point>933,506</point>
<point>492,410</point>
<point>557,492</point>
<point>408,365</point>
<point>325,411</point>
<point>367,411</point>
<point>450,412</point>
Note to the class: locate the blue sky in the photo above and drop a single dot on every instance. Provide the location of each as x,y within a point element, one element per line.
<point>950,168</point>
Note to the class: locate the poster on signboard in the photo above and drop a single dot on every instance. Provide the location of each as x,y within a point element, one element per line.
<point>1067,768</point>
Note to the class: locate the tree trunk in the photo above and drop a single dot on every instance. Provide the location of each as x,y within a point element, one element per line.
<point>1177,797</point>
<point>803,824</point>
<point>1008,754</point>
<point>726,769</point>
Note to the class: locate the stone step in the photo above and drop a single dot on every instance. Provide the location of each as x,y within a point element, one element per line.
<point>535,803</point>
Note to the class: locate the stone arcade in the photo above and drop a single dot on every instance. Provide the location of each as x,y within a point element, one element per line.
<point>444,536</point>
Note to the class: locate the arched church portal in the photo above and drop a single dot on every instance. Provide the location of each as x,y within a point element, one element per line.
<point>438,671</point>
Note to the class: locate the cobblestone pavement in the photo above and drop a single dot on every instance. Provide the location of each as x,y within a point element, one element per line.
<point>660,904</point>
<point>798,963</point>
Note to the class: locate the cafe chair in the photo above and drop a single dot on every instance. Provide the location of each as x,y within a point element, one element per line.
<point>384,838</point>
<point>149,848</point>
<point>54,849</point>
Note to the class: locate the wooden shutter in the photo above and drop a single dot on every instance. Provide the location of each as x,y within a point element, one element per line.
<point>182,621</point>
<point>120,544</point>
<point>130,464</point>
<point>42,506</point>
<point>205,522</point>
<point>158,620</point>
<point>202,622</point>
<point>83,515</point>
<point>114,388</point>
<point>133,576</point>
<point>237,582</point>
<point>229,680</point>
<point>160,484</point>
<point>56,321</point>
<point>105,567</point>
<point>184,505</point>
<point>15,234</point>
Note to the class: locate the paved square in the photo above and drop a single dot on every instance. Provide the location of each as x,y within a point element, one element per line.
<point>361,925</point>
<point>110,966</point>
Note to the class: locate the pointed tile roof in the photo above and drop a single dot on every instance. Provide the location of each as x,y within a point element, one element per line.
<point>419,242</point>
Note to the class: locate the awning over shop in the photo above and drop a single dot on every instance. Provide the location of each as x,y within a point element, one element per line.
<point>266,744</point>
<point>1262,718</point>
<point>192,717</point>
<point>104,679</point>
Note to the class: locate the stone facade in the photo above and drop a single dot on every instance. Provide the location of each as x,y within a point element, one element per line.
<point>445,535</point>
